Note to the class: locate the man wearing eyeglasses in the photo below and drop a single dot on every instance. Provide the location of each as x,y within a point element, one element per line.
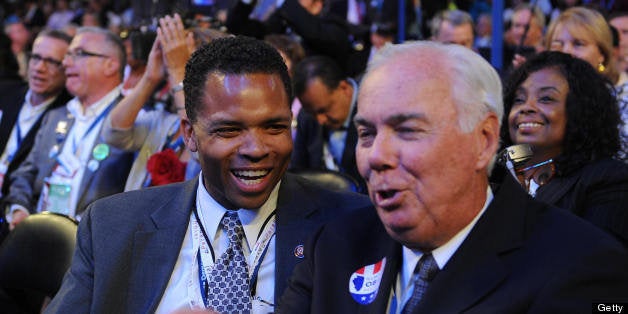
<point>70,165</point>
<point>23,106</point>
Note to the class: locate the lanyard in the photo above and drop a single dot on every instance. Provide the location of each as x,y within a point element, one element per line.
<point>98,119</point>
<point>18,134</point>
<point>261,247</point>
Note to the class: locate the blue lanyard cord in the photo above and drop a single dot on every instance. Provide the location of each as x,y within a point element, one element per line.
<point>202,278</point>
<point>18,134</point>
<point>201,273</point>
<point>100,117</point>
<point>253,281</point>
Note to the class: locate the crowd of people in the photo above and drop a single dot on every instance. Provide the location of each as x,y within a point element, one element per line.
<point>174,134</point>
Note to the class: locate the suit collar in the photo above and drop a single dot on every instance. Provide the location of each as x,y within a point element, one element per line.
<point>477,267</point>
<point>156,249</point>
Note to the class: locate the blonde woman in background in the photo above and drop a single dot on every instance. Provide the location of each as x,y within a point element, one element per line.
<point>585,34</point>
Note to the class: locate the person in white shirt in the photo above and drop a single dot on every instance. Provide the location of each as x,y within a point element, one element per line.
<point>69,165</point>
<point>158,250</point>
<point>23,108</point>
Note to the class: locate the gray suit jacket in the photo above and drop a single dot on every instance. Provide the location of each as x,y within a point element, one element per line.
<point>128,244</point>
<point>27,181</point>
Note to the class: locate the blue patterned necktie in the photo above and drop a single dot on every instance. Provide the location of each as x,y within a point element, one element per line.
<point>425,271</point>
<point>228,281</point>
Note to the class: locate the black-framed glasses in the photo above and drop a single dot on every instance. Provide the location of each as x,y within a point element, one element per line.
<point>80,53</point>
<point>33,57</point>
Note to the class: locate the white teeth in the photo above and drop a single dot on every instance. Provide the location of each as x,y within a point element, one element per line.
<point>529,125</point>
<point>250,173</point>
<point>250,182</point>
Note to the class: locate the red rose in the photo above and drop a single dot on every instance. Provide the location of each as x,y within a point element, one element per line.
<point>165,167</point>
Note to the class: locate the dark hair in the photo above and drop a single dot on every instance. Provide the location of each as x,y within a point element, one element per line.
<point>322,67</point>
<point>593,119</point>
<point>230,55</point>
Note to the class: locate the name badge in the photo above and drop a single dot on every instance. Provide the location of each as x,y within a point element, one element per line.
<point>57,196</point>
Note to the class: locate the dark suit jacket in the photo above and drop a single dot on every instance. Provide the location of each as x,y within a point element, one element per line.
<point>27,181</point>
<point>309,142</point>
<point>521,256</point>
<point>128,244</point>
<point>12,102</point>
<point>597,192</point>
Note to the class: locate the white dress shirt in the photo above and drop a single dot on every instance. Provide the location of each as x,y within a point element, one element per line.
<point>183,289</point>
<point>80,143</point>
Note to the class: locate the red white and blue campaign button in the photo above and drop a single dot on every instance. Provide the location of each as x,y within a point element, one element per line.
<point>364,282</point>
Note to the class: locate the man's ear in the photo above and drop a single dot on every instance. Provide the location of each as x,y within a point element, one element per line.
<point>188,135</point>
<point>488,131</point>
<point>112,67</point>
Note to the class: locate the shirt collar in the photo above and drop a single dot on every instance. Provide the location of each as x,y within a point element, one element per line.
<point>31,111</point>
<point>443,253</point>
<point>93,110</point>
<point>252,219</point>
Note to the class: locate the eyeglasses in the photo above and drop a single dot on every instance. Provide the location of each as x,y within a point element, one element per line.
<point>34,58</point>
<point>80,53</point>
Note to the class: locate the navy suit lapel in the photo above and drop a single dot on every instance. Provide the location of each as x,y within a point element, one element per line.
<point>29,139</point>
<point>478,267</point>
<point>155,251</point>
<point>296,219</point>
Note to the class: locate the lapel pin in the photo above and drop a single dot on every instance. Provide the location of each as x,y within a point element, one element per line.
<point>298,251</point>
<point>100,151</point>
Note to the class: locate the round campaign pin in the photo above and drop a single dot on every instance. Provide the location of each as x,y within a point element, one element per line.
<point>100,152</point>
<point>93,165</point>
<point>298,251</point>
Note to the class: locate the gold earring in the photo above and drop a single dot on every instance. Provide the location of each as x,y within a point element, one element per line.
<point>601,68</point>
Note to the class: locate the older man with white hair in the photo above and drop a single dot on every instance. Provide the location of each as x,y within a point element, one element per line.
<point>440,238</point>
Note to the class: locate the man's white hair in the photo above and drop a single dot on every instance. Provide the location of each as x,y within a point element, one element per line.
<point>475,85</point>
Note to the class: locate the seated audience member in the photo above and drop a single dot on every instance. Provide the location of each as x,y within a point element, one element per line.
<point>440,238</point>
<point>243,215</point>
<point>585,34</point>
<point>563,109</point>
<point>325,136</point>
<point>526,27</point>
<point>453,27</point>
<point>156,135</point>
<point>523,38</point>
<point>70,165</point>
<point>23,107</point>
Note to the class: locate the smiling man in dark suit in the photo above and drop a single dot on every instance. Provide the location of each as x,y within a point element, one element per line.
<point>23,108</point>
<point>440,238</point>
<point>161,249</point>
